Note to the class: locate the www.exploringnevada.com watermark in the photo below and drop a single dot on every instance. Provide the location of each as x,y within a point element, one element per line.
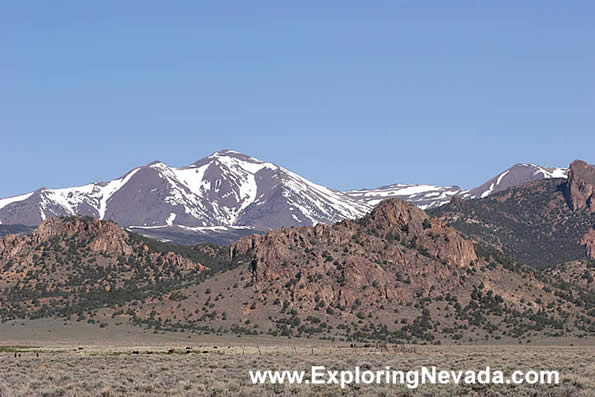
<point>320,375</point>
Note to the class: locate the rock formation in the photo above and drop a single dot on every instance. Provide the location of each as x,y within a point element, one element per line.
<point>580,188</point>
<point>100,237</point>
<point>397,244</point>
<point>589,242</point>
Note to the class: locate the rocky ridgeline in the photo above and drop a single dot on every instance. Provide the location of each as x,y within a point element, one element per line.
<point>100,237</point>
<point>450,247</point>
<point>396,244</point>
<point>106,237</point>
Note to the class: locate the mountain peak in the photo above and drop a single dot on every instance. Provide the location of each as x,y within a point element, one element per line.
<point>225,156</point>
<point>227,152</point>
<point>516,175</point>
<point>155,162</point>
<point>233,154</point>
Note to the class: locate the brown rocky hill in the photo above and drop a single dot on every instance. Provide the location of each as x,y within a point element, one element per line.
<point>395,274</point>
<point>71,265</point>
<point>427,253</point>
<point>88,235</point>
<point>540,223</point>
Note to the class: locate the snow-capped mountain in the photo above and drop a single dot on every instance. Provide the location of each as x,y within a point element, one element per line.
<point>423,196</point>
<point>228,195</point>
<point>514,176</point>
<point>226,188</point>
<point>430,196</point>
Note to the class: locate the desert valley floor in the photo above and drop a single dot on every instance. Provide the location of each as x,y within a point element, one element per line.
<point>47,358</point>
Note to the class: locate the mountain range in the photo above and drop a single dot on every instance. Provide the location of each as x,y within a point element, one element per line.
<point>430,196</point>
<point>226,188</point>
<point>228,194</point>
<point>394,275</point>
<point>540,223</point>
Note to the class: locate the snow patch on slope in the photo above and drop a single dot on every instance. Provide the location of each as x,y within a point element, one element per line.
<point>10,200</point>
<point>502,175</point>
<point>548,173</point>
<point>170,219</point>
<point>318,203</point>
<point>423,196</point>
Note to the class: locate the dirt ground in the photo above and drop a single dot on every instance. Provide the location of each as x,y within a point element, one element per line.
<point>46,358</point>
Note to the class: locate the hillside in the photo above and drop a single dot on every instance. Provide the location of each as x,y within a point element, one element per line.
<point>532,222</point>
<point>580,273</point>
<point>394,275</point>
<point>75,265</point>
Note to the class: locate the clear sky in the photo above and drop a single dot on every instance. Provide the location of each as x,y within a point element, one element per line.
<point>348,94</point>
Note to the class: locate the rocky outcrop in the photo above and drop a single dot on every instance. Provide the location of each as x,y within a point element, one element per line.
<point>178,261</point>
<point>10,245</point>
<point>440,241</point>
<point>101,237</point>
<point>589,242</point>
<point>73,261</point>
<point>580,188</point>
<point>394,216</point>
<point>390,253</point>
<point>105,236</point>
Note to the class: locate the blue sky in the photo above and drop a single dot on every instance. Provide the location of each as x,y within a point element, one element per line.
<point>348,94</point>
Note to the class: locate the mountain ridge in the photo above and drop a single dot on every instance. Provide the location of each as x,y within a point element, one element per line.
<point>540,223</point>
<point>394,275</point>
<point>226,188</point>
<point>231,190</point>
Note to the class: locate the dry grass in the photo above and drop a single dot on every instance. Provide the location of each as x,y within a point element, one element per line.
<point>222,370</point>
